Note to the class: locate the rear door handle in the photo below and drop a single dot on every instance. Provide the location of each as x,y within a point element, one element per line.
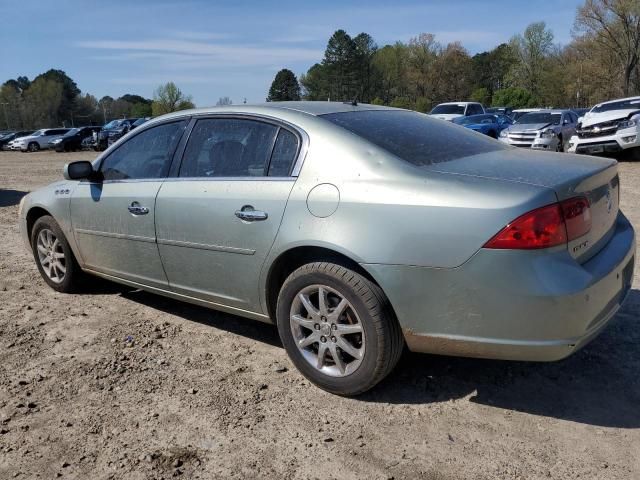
<point>136,209</point>
<point>249,214</point>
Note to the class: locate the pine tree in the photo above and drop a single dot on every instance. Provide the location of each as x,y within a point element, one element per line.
<point>284,87</point>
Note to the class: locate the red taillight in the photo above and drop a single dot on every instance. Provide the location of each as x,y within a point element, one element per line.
<point>545,227</point>
<point>577,216</point>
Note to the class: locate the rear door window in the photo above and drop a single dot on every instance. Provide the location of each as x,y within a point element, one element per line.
<point>230,147</point>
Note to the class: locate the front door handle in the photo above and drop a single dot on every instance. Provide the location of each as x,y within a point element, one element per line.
<point>136,209</point>
<point>249,214</point>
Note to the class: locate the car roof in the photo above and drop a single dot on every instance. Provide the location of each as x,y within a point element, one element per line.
<point>308,107</point>
<point>618,100</point>
<point>459,103</point>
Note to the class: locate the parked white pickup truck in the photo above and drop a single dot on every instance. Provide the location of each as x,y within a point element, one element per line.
<point>608,128</point>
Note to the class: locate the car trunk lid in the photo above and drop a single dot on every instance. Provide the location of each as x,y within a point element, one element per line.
<point>568,175</point>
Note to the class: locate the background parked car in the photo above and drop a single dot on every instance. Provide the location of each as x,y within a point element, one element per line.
<point>544,130</point>
<point>609,127</point>
<point>451,110</point>
<point>580,111</point>
<point>118,133</point>
<point>72,140</point>
<point>114,129</point>
<point>500,110</point>
<point>519,112</point>
<point>488,124</point>
<point>10,136</point>
<point>39,140</point>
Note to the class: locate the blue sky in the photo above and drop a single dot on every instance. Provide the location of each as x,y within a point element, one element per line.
<point>234,48</point>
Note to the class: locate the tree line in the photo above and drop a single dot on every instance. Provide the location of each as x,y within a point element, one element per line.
<point>601,62</point>
<point>53,99</point>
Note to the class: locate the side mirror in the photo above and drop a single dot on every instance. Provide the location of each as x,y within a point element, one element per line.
<point>78,170</point>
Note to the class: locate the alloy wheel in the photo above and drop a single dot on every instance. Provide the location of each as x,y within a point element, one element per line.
<point>327,330</point>
<point>51,255</point>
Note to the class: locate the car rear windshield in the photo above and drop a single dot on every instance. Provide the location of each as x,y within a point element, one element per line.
<point>414,137</point>
<point>448,110</point>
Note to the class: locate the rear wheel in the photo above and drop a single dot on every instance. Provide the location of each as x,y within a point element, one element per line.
<point>33,147</point>
<point>53,256</point>
<point>338,328</point>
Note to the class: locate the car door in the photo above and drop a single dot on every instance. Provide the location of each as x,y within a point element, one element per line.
<point>217,220</point>
<point>113,220</point>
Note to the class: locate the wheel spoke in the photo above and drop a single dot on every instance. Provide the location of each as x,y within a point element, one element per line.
<point>339,309</point>
<point>347,328</point>
<point>311,310</point>
<point>61,268</point>
<point>41,248</point>
<point>303,322</point>
<point>346,347</point>
<point>306,341</point>
<point>58,255</point>
<point>337,358</point>
<point>322,301</point>
<point>322,351</point>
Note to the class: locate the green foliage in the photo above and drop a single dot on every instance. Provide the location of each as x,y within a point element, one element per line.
<point>377,101</point>
<point>514,97</point>
<point>284,87</point>
<point>423,105</point>
<point>481,95</point>
<point>169,98</point>
<point>401,102</point>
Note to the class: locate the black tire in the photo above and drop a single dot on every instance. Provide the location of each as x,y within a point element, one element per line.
<point>493,134</point>
<point>560,147</point>
<point>33,147</point>
<point>73,274</point>
<point>382,334</point>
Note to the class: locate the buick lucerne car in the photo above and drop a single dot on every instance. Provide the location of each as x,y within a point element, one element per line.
<point>356,229</point>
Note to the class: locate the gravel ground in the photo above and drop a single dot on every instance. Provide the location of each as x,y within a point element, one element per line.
<point>115,384</point>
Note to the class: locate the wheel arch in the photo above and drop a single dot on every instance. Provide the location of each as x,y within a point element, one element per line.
<point>293,258</point>
<point>33,215</point>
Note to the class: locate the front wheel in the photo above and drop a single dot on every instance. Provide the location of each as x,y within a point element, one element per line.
<point>53,256</point>
<point>33,147</point>
<point>338,328</point>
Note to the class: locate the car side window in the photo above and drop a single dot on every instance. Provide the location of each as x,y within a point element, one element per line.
<point>146,155</point>
<point>284,154</point>
<point>229,147</point>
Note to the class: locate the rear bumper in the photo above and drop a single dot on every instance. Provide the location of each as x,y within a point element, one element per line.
<point>513,305</point>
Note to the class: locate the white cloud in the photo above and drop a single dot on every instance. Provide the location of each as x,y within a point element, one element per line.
<point>197,53</point>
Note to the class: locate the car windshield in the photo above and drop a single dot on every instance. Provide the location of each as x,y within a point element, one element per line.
<point>473,119</point>
<point>112,124</point>
<point>449,109</point>
<point>629,104</point>
<point>414,137</point>
<point>539,117</point>
<point>38,133</point>
<point>72,132</point>
<point>138,122</point>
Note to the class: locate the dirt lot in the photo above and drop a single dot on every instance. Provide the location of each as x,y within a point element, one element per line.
<point>115,384</point>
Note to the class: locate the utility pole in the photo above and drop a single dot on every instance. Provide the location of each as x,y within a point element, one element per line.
<point>6,118</point>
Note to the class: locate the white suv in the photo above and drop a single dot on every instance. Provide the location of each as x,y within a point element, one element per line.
<point>452,110</point>
<point>38,140</point>
<point>609,127</point>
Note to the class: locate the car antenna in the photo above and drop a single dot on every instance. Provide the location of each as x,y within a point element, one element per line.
<point>353,103</point>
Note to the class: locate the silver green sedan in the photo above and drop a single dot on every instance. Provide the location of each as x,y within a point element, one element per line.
<point>356,229</point>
